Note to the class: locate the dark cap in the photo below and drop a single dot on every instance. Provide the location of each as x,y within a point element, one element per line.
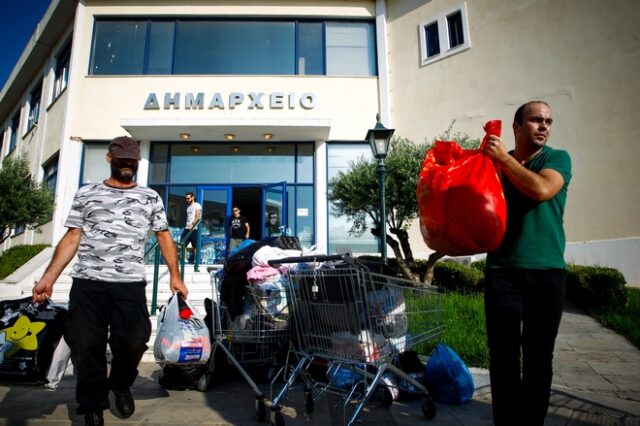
<point>125,147</point>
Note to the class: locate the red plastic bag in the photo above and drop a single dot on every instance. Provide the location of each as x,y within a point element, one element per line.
<point>460,199</point>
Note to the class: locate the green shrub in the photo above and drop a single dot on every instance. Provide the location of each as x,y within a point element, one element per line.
<point>625,321</point>
<point>453,276</point>
<point>17,256</point>
<point>596,287</point>
<point>479,265</point>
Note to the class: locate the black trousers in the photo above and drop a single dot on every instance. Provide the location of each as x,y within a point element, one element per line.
<point>102,313</point>
<point>523,309</point>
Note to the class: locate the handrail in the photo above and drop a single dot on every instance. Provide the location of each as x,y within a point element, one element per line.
<point>156,263</point>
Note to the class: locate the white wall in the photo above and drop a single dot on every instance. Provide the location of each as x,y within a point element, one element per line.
<point>582,56</point>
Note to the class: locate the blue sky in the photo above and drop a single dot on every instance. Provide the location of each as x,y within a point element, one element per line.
<point>18,20</point>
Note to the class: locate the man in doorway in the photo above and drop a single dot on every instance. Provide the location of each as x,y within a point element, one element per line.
<point>107,227</point>
<point>239,228</point>
<point>273,225</point>
<point>525,277</point>
<point>194,212</point>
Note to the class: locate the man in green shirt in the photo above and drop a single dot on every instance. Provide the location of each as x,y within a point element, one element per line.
<point>525,277</point>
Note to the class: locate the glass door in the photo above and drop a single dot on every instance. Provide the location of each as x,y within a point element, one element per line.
<point>274,199</point>
<point>216,207</point>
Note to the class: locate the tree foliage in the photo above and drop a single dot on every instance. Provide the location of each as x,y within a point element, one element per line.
<point>23,201</point>
<point>355,194</point>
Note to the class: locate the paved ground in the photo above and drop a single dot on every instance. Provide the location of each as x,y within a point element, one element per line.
<point>597,382</point>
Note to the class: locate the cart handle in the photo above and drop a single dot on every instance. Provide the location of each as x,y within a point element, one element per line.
<point>315,258</point>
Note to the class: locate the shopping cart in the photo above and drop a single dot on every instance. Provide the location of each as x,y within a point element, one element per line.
<point>259,336</point>
<point>357,322</point>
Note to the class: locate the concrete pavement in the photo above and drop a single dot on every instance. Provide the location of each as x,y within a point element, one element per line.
<point>596,382</point>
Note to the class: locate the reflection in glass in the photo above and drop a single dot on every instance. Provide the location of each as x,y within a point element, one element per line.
<point>118,48</point>
<point>235,47</point>
<point>220,164</point>
<point>351,48</point>
<point>338,158</point>
<point>95,167</point>
<point>160,47</point>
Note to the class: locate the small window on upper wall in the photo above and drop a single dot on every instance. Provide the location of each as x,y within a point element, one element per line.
<point>62,70</point>
<point>34,106</point>
<point>15,125</point>
<point>444,35</point>
<point>50,169</point>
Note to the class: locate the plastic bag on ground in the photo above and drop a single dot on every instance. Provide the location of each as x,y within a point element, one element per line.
<point>447,377</point>
<point>460,199</point>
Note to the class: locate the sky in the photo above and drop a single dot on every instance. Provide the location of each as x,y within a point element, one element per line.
<point>18,21</point>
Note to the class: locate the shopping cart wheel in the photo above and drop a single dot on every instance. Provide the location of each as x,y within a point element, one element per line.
<point>428,408</point>
<point>203,382</point>
<point>276,417</point>
<point>261,410</point>
<point>385,396</point>
<point>309,404</point>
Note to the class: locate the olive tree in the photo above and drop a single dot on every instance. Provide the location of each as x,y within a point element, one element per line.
<point>23,201</point>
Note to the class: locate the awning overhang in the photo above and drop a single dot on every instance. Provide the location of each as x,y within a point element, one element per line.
<point>215,129</point>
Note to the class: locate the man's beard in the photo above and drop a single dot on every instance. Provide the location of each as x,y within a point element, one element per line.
<point>119,172</point>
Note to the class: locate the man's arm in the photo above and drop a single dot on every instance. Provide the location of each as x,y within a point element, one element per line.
<point>168,249</point>
<point>197,218</point>
<point>248,227</point>
<point>539,186</point>
<point>63,254</point>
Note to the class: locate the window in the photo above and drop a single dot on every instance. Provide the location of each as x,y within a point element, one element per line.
<point>95,168</point>
<point>15,125</point>
<point>444,35</point>
<point>339,155</point>
<point>62,70</point>
<point>433,42</point>
<point>118,48</point>
<point>50,169</point>
<point>34,106</point>
<point>310,48</point>
<point>233,47</point>
<point>350,48</point>
<point>160,59</point>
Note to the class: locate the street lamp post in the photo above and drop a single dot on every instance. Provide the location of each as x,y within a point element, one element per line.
<point>379,138</point>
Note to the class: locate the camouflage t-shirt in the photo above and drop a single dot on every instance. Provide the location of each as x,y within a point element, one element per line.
<point>114,224</point>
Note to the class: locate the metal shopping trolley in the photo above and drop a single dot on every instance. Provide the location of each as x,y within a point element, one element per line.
<point>357,322</point>
<point>258,336</point>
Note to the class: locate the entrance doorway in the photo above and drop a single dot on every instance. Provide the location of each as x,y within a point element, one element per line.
<point>264,206</point>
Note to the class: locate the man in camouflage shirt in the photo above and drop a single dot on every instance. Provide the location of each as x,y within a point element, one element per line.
<point>107,227</point>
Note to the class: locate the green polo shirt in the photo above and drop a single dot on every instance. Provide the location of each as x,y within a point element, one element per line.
<point>535,233</point>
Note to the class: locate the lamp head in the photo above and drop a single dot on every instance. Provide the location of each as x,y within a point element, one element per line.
<point>379,138</point>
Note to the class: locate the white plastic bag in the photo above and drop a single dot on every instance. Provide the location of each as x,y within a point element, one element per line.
<point>59,362</point>
<point>181,339</point>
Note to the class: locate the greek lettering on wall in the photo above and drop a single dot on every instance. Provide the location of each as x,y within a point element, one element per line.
<point>232,100</point>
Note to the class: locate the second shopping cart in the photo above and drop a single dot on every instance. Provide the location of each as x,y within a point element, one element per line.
<point>357,323</point>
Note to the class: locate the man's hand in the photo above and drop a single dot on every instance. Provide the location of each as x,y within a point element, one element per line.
<point>42,290</point>
<point>178,286</point>
<point>64,252</point>
<point>496,150</point>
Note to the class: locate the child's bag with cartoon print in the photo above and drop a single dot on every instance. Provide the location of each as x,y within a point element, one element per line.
<point>460,199</point>
<point>29,334</point>
<point>182,336</point>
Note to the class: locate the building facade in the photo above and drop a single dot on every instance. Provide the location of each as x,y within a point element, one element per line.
<point>260,104</point>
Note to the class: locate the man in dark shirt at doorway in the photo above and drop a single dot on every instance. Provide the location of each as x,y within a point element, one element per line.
<point>239,229</point>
